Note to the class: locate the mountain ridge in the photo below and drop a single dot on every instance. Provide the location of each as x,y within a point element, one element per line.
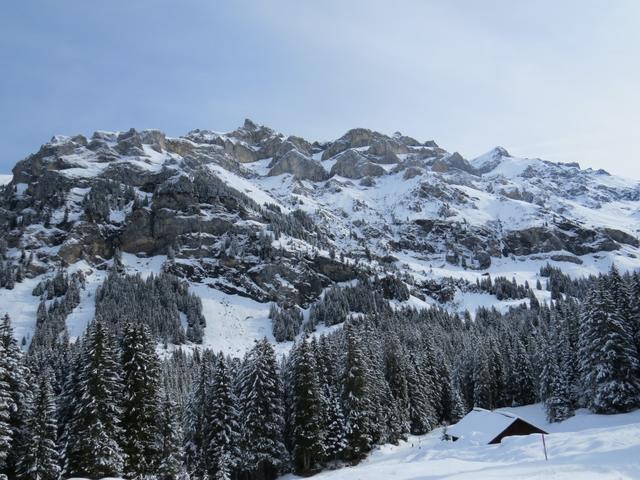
<point>273,218</point>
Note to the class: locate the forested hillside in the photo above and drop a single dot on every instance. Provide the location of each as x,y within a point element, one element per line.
<point>109,405</point>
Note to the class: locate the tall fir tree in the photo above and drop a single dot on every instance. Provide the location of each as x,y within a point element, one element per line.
<point>264,452</point>
<point>396,376</point>
<point>452,408</point>
<point>197,413</point>
<point>308,431</point>
<point>95,431</point>
<point>482,379</point>
<point>66,400</point>
<point>554,386</point>
<point>521,382</point>
<point>171,466</point>
<point>6,407</point>
<point>422,412</point>
<point>335,439</point>
<point>39,455</point>
<point>223,430</point>
<point>634,309</point>
<point>140,401</point>
<point>17,401</point>
<point>356,397</point>
<point>608,358</point>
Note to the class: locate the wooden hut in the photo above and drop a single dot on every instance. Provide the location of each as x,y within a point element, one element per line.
<point>490,427</point>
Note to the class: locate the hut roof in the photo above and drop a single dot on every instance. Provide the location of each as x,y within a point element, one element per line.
<point>484,426</point>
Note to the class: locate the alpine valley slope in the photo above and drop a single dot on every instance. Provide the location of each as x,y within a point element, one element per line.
<point>252,217</point>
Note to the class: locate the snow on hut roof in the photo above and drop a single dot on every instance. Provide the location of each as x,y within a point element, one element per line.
<point>481,426</point>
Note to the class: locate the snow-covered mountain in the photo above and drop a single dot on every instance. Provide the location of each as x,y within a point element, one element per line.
<point>252,216</point>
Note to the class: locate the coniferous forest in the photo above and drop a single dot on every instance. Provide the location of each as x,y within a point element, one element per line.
<point>119,402</point>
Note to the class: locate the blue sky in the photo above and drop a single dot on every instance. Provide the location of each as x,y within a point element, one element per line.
<point>554,79</point>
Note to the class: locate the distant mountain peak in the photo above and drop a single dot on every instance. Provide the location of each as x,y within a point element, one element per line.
<point>490,160</point>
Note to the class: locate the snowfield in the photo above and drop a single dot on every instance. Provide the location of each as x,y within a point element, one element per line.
<point>584,447</point>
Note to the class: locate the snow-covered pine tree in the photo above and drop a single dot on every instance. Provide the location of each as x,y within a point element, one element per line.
<point>451,407</point>
<point>196,422</point>
<point>39,459</point>
<point>224,467</point>
<point>555,390</point>
<point>634,308</point>
<point>498,374</point>
<point>458,410</point>
<point>396,376</point>
<point>16,376</point>
<point>171,466</point>
<point>521,381</point>
<point>308,431</point>
<point>422,413</point>
<point>619,291</point>
<point>356,397</point>
<point>6,407</point>
<point>95,429</point>
<point>569,310</point>
<point>482,379</point>
<point>263,449</point>
<point>608,357</point>
<point>140,401</point>
<point>223,431</point>
<point>286,374</point>
<point>67,400</point>
<point>335,440</point>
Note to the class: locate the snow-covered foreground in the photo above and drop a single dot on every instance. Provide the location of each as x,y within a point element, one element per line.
<point>586,446</point>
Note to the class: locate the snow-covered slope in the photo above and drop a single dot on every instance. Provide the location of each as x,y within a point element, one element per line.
<point>254,216</point>
<point>584,447</point>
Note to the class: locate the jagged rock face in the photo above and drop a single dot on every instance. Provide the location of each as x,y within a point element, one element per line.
<point>352,164</point>
<point>130,143</point>
<point>408,141</point>
<point>293,143</point>
<point>358,137</point>
<point>571,238</point>
<point>264,228</point>
<point>378,143</point>
<point>453,161</point>
<point>386,147</point>
<point>300,166</point>
<point>239,151</point>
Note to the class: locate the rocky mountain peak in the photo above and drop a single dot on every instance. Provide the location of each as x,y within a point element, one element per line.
<point>249,125</point>
<point>247,206</point>
<point>490,160</point>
